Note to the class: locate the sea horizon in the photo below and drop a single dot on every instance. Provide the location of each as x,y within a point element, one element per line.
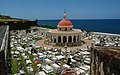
<point>80,19</point>
<point>96,25</point>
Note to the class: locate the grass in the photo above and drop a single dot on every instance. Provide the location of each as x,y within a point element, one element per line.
<point>49,74</point>
<point>24,64</point>
<point>62,62</point>
<point>14,66</point>
<point>2,20</point>
<point>34,65</point>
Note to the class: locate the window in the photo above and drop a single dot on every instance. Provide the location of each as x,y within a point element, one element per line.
<point>59,28</point>
<point>65,29</point>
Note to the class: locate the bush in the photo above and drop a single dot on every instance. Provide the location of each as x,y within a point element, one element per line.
<point>47,26</point>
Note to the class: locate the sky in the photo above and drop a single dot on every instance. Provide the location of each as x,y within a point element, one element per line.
<point>53,9</point>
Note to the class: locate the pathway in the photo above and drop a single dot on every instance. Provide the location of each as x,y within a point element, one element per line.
<point>84,46</point>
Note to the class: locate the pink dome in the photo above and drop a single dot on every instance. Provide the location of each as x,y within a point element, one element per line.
<point>64,22</point>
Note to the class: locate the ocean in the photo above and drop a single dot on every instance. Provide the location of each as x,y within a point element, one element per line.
<point>98,25</point>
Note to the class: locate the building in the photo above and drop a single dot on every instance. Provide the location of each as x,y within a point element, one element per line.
<point>4,51</point>
<point>65,33</point>
<point>105,61</point>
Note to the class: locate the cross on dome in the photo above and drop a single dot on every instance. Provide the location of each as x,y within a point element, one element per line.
<point>65,15</point>
<point>65,21</point>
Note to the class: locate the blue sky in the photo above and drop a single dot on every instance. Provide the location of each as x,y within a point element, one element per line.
<point>53,9</point>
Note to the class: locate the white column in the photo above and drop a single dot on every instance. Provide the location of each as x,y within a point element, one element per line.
<point>56,39</point>
<point>67,39</point>
<point>61,39</point>
<point>51,38</point>
<point>72,38</point>
<point>76,38</point>
<point>79,37</point>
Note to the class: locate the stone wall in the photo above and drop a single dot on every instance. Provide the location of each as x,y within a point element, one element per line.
<point>15,25</point>
<point>4,50</point>
<point>105,61</point>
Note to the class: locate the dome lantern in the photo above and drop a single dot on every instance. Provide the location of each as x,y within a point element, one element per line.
<point>65,22</point>
<point>65,15</point>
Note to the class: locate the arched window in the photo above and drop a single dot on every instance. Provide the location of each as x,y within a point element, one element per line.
<point>78,38</point>
<point>59,39</point>
<point>74,39</point>
<point>64,39</point>
<point>70,39</point>
<point>59,28</point>
<point>54,40</point>
<point>65,29</point>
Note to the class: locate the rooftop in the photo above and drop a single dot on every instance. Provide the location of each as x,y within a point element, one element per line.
<point>64,22</point>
